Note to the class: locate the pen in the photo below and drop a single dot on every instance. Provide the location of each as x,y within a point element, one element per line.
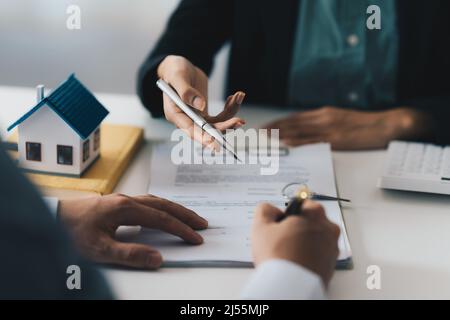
<point>311,195</point>
<point>316,196</point>
<point>294,206</point>
<point>198,120</point>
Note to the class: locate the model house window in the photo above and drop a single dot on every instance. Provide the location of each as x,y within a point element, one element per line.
<point>97,139</point>
<point>33,150</point>
<point>64,155</point>
<point>86,145</point>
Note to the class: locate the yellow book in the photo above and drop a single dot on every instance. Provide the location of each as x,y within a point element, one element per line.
<point>119,144</point>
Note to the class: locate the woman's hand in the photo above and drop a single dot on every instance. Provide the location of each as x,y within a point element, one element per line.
<point>191,84</point>
<point>352,130</point>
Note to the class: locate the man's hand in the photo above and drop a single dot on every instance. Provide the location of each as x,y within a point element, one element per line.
<point>191,84</point>
<point>352,130</point>
<point>309,240</point>
<point>94,221</point>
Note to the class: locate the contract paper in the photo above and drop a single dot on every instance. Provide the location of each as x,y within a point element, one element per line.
<point>226,196</point>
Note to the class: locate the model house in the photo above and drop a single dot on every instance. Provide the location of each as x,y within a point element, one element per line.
<point>61,133</point>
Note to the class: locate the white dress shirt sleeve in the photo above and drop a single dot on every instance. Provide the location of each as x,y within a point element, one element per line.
<point>52,204</point>
<point>283,280</point>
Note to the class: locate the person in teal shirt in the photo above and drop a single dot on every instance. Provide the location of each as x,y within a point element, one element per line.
<point>347,84</point>
<point>338,61</point>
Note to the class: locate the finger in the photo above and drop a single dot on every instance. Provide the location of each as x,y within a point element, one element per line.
<point>316,212</point>
<point>141,215</point>
<point>131,255</point>
<point>170,108</point>
<point>214,145</point>
<point>207,141</point>
<point>233,123</point>
<point>231,108</point>
<point>266,213</point>
<point>194,132</point>
<point>313,210</point>
<point>183,214</point>
<point>189,94</point>
<point>336,230</point>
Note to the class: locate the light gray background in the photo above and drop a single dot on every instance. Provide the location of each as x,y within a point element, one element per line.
<point>115,37</point>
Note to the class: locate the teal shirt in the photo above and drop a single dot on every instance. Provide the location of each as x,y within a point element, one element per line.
<point>338,61</point>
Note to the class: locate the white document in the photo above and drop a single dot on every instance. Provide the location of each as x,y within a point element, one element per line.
<point>226,196</point>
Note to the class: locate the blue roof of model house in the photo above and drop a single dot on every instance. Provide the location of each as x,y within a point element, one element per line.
<point>75,104</point>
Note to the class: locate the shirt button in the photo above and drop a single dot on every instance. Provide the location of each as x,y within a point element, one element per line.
<point>353,97</point>
<point>353,40</point>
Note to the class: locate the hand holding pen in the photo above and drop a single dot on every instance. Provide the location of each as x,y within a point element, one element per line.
<point>295,205</point>
<point>191,84</point>
<point>309,240</point>
<point>303,193</point>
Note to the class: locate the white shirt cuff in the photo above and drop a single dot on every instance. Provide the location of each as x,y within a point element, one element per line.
<point>283,280</point>
<point>52,204</point>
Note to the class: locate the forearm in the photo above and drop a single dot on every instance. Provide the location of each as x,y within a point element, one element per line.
<point>149,94</point>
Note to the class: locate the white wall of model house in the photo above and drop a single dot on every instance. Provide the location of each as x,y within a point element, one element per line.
<point>46,127</point>
<point>94,153</point>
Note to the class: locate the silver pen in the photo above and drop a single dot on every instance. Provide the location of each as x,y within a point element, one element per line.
<point>195,117</point>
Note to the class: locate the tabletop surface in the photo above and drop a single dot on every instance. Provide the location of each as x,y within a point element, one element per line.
<point>406,235</point>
